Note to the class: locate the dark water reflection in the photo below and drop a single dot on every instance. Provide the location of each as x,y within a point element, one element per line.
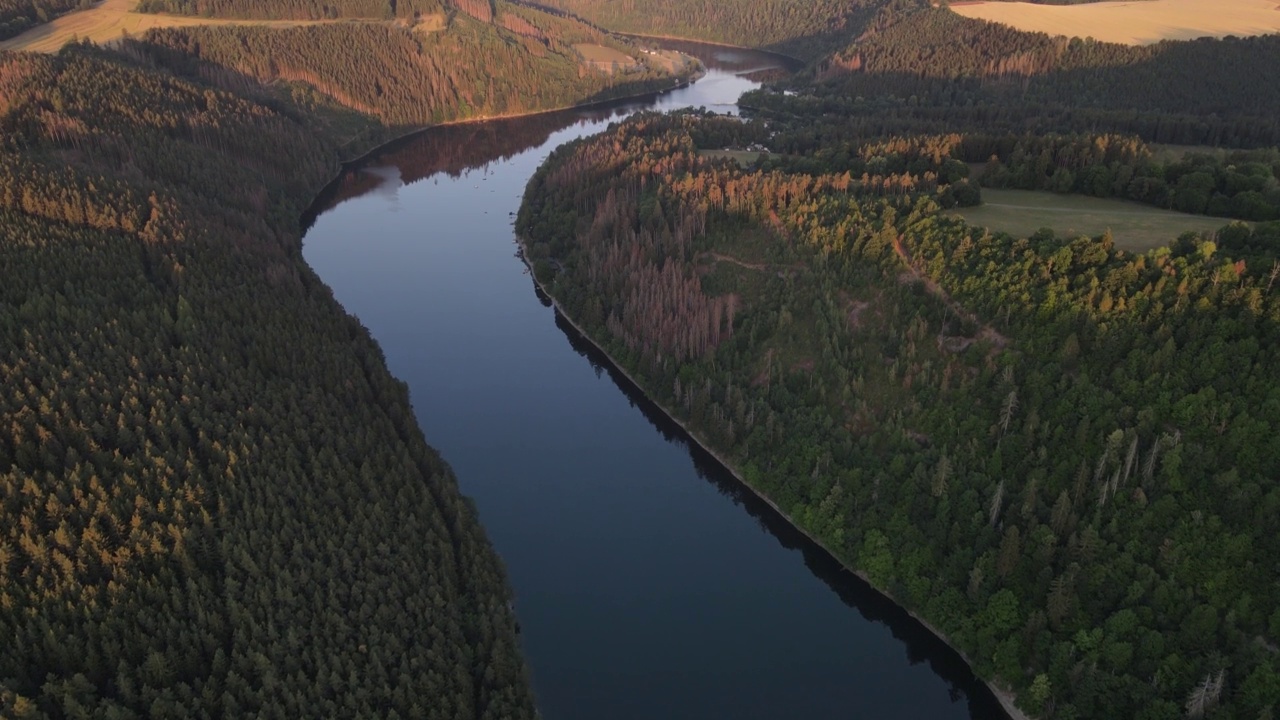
<point>641,592</point>
<point>921,644</point>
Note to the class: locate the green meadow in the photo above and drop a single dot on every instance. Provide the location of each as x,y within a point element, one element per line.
<point>1135,227</point>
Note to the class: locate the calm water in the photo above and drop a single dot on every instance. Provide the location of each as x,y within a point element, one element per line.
<point>648,583</point>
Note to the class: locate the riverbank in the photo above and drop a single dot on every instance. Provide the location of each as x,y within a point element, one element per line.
<point>1005,697</point>
<point>384,145</point>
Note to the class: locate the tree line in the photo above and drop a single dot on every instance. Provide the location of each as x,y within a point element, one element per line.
<point>1240,184</point>
<point>934,71</point>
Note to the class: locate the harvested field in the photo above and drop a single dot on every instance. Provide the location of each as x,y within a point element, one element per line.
<point>1134,22</point>
<point>112,19</point>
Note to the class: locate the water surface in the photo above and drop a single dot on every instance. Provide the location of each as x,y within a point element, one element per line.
<point>649,583</point>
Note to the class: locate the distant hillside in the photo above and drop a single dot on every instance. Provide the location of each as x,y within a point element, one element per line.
<point>406,76</point>
<point>299,9</point>
<point>934,71</point>
<point>801,28</point>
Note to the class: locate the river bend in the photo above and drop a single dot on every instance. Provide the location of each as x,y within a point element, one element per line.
<point>649,584</point>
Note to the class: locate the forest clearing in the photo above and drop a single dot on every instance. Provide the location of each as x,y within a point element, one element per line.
<point>1134,23</point>
<point>604,58</point>
<point>1134,227</point>
<point>744,157</point>
<point>112,19</point>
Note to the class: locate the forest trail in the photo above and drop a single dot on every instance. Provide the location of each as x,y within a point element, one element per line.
<point>782,270</point>
<point>912,274</point>
<point>717,257</point>
<point>112,19</point>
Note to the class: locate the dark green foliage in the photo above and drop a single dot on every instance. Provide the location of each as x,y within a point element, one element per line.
<point>934,71</point>
<point>1238,184</point>
<point>17,16</point>
<point>1241,184</point>
<point>215,499</point>
<point>1058,453</point>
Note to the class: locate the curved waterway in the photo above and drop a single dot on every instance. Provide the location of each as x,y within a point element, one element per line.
<point>649,583</point>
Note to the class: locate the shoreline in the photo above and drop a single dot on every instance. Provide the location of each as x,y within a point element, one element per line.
<point>308,216</point>
<point>681,82</point>
<point>1004,697</point>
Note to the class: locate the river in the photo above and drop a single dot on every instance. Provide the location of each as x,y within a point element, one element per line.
<point>649,584</point>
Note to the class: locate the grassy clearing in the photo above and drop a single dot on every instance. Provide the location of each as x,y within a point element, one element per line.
<point>432,23</point>
<point>110,20</point>
<point>744,157</point>
<point>1135,23</point>
<point>1135,227</point>
<point>671,61</point>
<point>602,54</point>
<point>1175,153</point>
<point>605,58</point>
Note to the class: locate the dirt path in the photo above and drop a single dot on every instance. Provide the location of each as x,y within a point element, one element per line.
<point>913,274</point>
<point>112,19</point>
<point>740,263</point>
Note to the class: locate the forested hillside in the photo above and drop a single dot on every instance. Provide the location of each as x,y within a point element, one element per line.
<point>216,499</point>
<point>1056,452</point>
<point>934,71</point>
<point>523,60</point>
<point>16,16</point>
<point>802,28</point>
<point>301,9</point>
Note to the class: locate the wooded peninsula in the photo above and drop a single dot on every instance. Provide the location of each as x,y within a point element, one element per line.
<point>1055,449</point>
